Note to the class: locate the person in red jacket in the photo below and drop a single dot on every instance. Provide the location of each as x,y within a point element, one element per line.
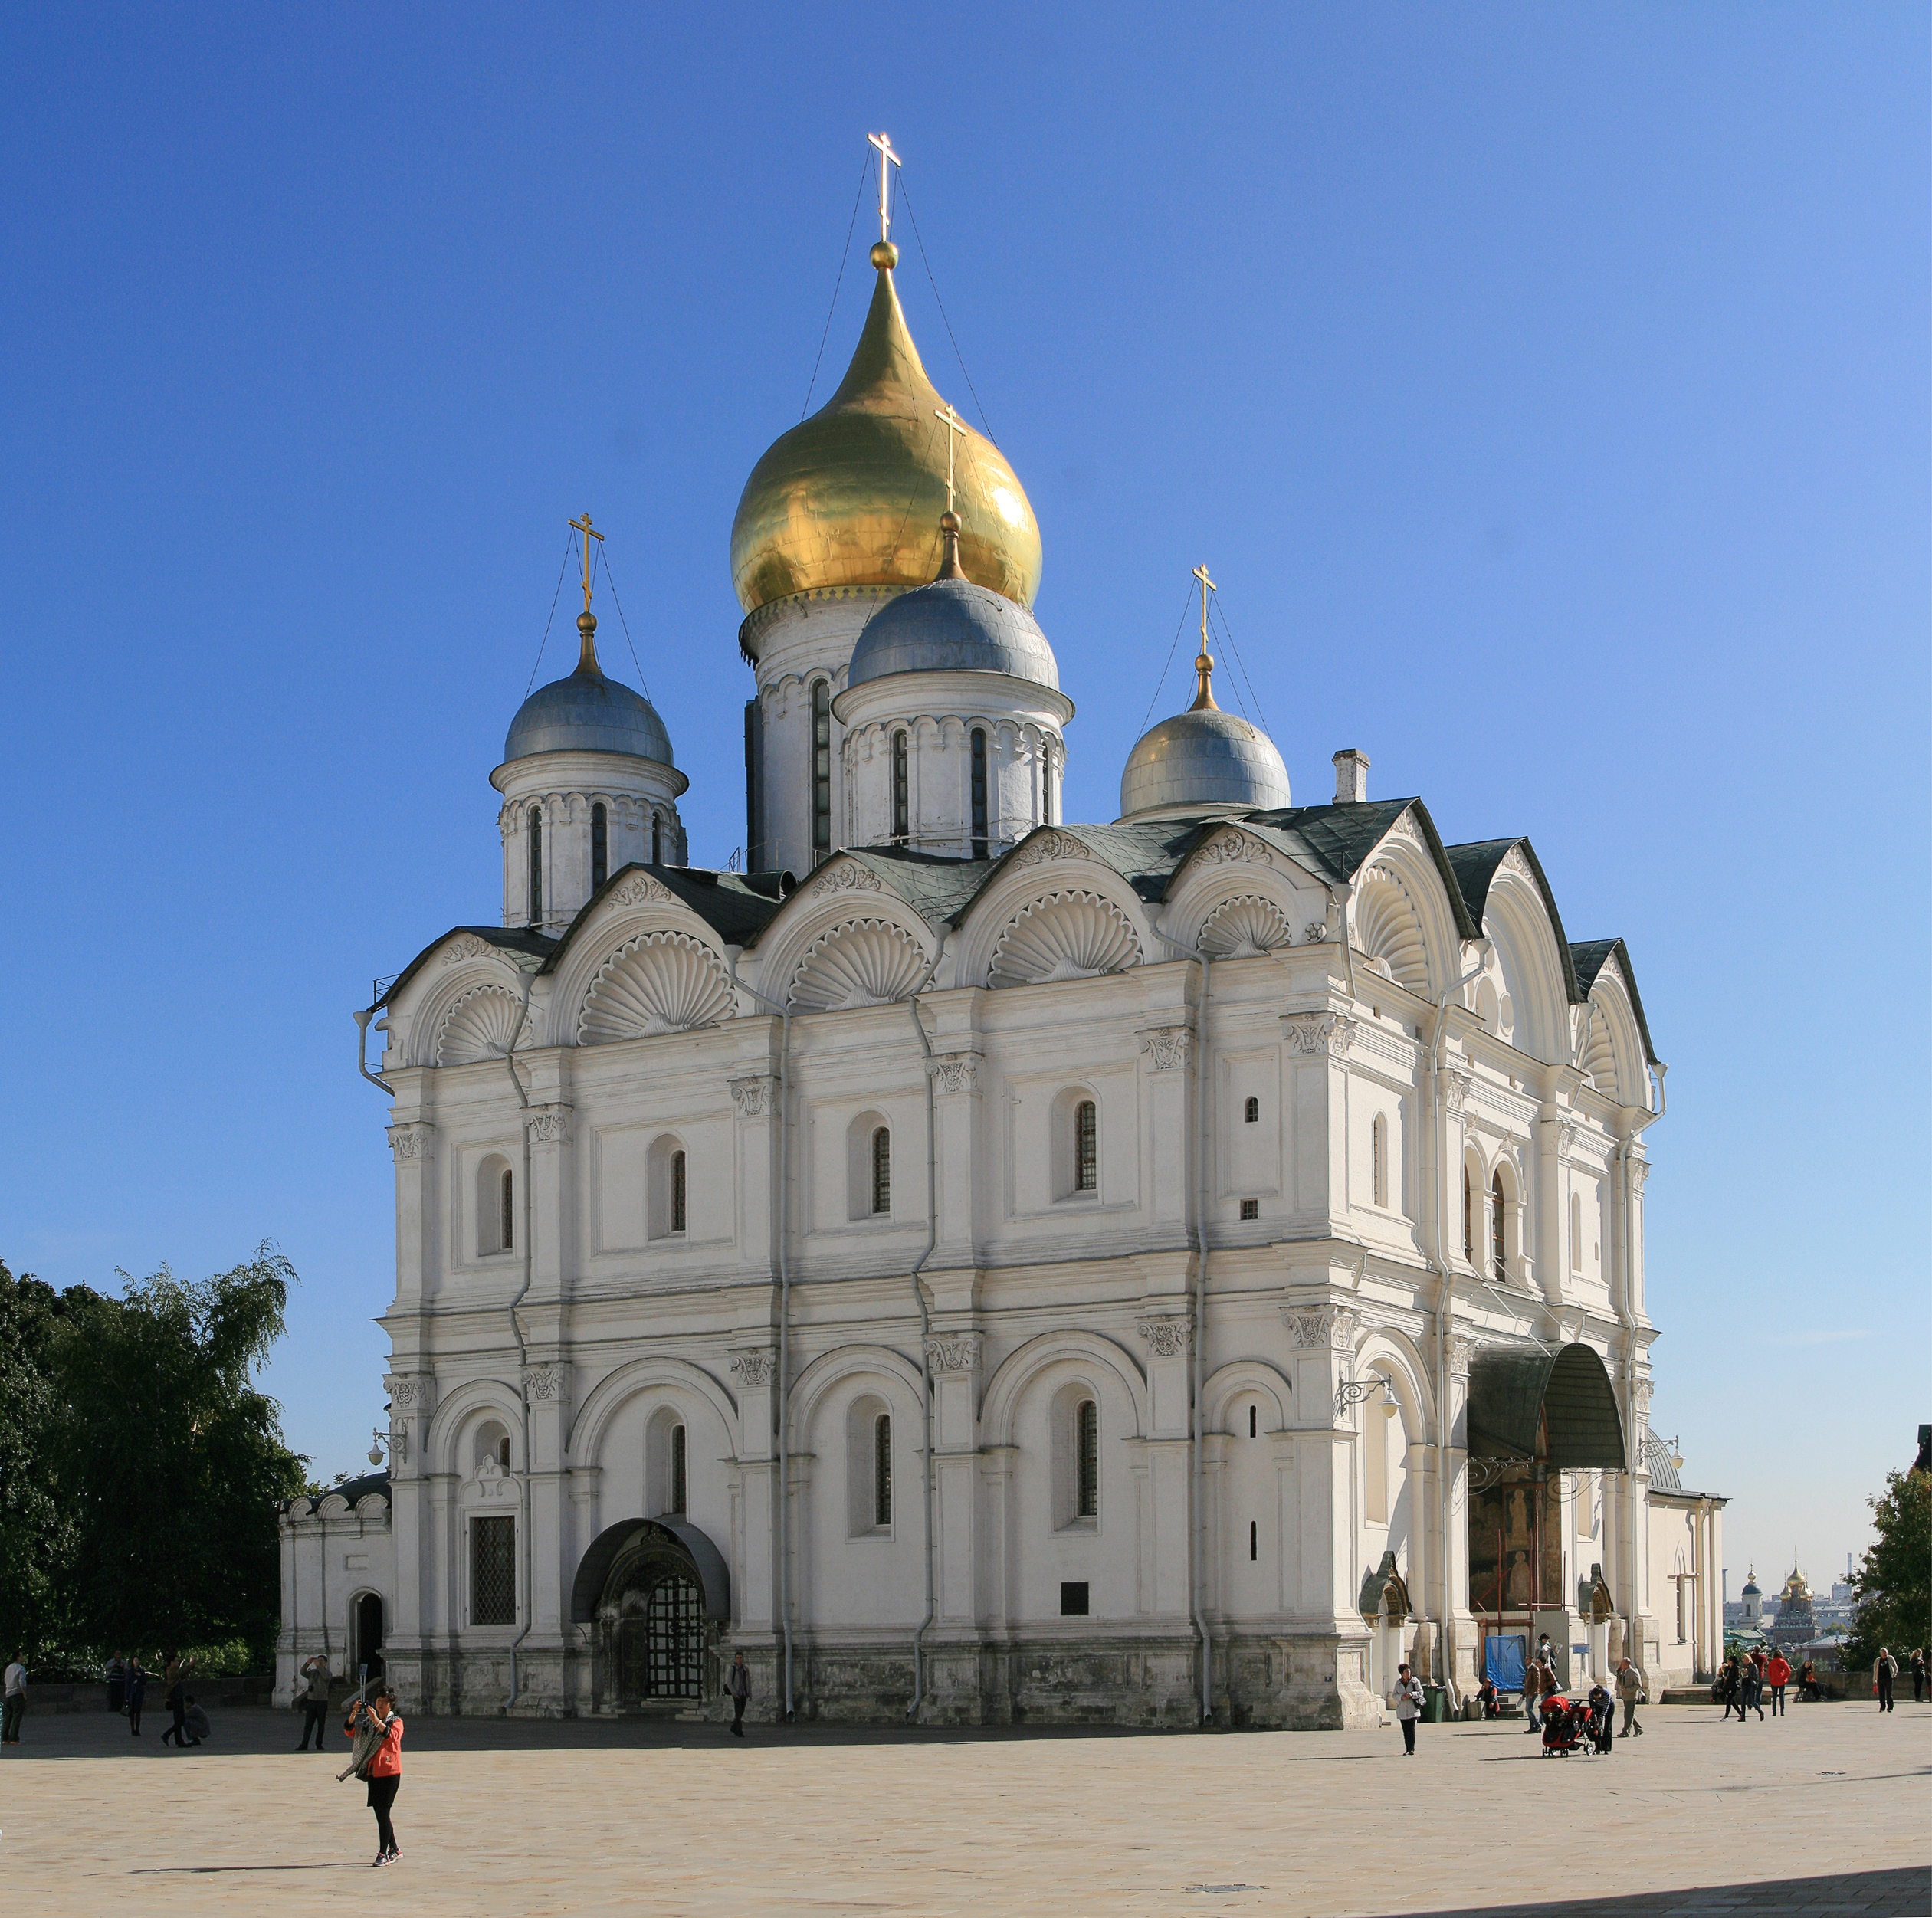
<point>1777,1675</point>
<point>384,1772</point>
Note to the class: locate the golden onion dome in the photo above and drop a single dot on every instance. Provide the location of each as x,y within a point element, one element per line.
<point>852,497</point>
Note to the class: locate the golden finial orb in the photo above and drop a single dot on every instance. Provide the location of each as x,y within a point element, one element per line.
<point>885,255</point>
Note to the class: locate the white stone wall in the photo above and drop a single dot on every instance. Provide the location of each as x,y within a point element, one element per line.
<point>333,1554</point>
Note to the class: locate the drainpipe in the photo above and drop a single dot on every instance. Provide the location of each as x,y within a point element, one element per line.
<point>1627,1312</point>
<point>1445,1306</point>
<point>925,1324</point>
<point>784,1013</point>
<point>1342,894</point>
<point>516,1327</point>
<point>361,1051</point>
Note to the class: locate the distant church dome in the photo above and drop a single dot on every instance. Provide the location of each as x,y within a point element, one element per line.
<point>586,712</point>
<point>1203,758</point>
<point>952,626</point>
<point>851,496</point>
<point>1750,1585</point>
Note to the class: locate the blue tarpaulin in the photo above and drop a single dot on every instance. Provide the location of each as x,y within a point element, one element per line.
<point>1503,1663</point>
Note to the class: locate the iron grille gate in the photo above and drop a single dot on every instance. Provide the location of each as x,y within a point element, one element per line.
<point>675,1640</point>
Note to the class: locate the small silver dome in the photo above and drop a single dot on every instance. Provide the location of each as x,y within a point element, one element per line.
<point>1204,758</point>
<point>952,626</point>
<point>587,713</point>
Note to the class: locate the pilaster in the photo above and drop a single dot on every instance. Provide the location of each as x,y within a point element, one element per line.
<point>1316,1043</point>
<point>953,1358</point>
<point>1172,1146</point>
<point>412,1143</point>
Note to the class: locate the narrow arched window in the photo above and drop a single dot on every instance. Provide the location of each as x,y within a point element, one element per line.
<point>1498,1228</point>
<point>1378,1153</point>
<point>979,794</point>
<point>821,769</point>
<point>503,1451</point>
<point>656,839</point>
<point>1468,1239</point>
<point>600,846</point>
<point>901,789</point>
<point>1087,1158</point>
<point>1251,1113</point>
<point>1254,1542</point>
<point>1576,1231</point>
<point>536,865</point>
<point>508,1220</point>
<point>881,1170</point>
<point>1086,1461</point>
<point>882,1469</point>
<point>678,1470</point>
<point>1251,1410</point>
<point>677,1192</point>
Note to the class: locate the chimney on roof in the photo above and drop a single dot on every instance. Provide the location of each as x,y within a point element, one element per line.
<point>1351,777</point>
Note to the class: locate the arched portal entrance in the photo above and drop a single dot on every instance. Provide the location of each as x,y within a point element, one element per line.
<point>365,1631</point>
<point>655,1591</point>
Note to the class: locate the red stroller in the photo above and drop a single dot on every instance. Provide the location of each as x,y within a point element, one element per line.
<point>1565,1725</point>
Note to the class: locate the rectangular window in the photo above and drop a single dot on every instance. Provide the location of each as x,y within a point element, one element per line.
<point>600,847</point>
<point>821,769</point>
<point>535,830</point>
<point>493,1572</point>
<point>509,1210</point>
<point>881,1171</point>
<point>979,794</point>
<point>1250,1208</point>
<point>1254,1542</point>
<point>1087,1168</point>
<point>1087,1461</point>
<point>901,789</point>
<point>882,1470</point>
<point>678,1470</point>
<point>677,1192</point>
<point>1073,1598</point>
<point>754,787</point>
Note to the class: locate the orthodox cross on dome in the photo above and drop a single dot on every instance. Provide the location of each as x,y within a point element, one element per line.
<point>1204,665</point>
<point>883,143</point>
<point>954,424</point>
<point>589,532</point>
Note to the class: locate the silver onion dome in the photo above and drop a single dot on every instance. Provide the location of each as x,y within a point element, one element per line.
<point>952,626</point>
<point>1203,758</point>
<point>587,713</point>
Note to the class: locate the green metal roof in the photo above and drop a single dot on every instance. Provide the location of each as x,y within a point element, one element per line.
<point>507,939</point>
<point>1475,865</point>
<point>1589,959</point>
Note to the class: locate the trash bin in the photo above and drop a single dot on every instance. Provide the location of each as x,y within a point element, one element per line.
<point>1435,1703</point>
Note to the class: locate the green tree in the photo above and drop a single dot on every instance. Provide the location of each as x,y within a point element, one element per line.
<point>1894,1583</point>
<point>36,1532</point>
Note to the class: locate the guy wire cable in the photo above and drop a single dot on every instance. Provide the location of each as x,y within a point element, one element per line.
<point>1228,633</point>
<point>865,167</point>
<point>569,546</point>
<point>622,621</point>
<point>1186,602</point>
<point>941,304</point>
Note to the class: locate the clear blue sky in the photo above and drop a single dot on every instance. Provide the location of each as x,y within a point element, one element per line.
<point>1547,387</point>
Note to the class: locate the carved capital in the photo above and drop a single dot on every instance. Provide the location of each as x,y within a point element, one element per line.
<point>1316,1034</point>
<point>757,1366</point>
<point>1167,1048</point>
<point>1456,1083</point>
<point>954,1352</point>
<point>1168,1338</point>
<point>411,1392</point>
<point>756,1095</point>
<point>546,1384</point>
<point>956,1072</point>
<point>1462,1351</point>
<point>1566,1135</point>
<point>411,1141</point>
<point>1639,1172</point>
<point>1321,1328</point>
<point>1640,1387</point>
<point>549,1127</point>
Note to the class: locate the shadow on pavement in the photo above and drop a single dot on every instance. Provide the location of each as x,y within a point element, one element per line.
<point>1867,1894</point>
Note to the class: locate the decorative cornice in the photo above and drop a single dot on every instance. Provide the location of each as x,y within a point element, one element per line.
<point>755,1094</point>
<point>546,1384</point>
<point>1312,1034</point>
<point>956,1351</point>
<point>956,1072</point>
<point>1167,1047</point>
<point>1320,1328</point>
<point>759,1366</point>
<point>1169,1338</point>
<point>1051,845</point>
<point>411,1140</point>
<point>846,876</point>
<point>641,890</point>
<point>551,1126</point>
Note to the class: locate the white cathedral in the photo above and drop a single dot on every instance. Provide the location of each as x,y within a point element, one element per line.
<point>988,1269</point>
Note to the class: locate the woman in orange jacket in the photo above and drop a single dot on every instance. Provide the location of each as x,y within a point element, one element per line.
<point>385,1772</point>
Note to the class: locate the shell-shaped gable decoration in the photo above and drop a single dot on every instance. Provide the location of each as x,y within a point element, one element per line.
<point>1243,928</point>
<point>1600,1060</point>
<point>865,962</point>
<point>1388,928</point>
<point>1065,935</point>
<point>655,983</point>
<point>481,1024</point>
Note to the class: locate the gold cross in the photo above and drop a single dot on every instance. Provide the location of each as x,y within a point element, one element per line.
<point>589,532</point>
<point>1207,587</point>
<point>953,425</point>
<point>1204,665</point>
<point>883,143</point>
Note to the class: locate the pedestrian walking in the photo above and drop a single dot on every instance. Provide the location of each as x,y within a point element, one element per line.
<point>315,1699</point>
<point>1533,1690</point>
<point>116,1676</point>
<point>137,1693</point>
<point>1753,1677</point>
<point>1630,1689</point>
<point>1884,1669</point>
<point>15,1707</point>
<point>1777,1675</point>
<point>376,1725</point>
<point>738,1684</point>
<point>1408,1703</point>
<point>1918,1674</point>
<point>174,1676</point>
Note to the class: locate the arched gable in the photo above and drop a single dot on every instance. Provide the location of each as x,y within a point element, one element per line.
<point>460,1409</point>
<point>879,1363</point>
<point>1049,1350</point>
<point>1520,923</point>
<point>844,938</point>
<point>1236,895</point>
<point>1403,917</point>
<point>1236,1380</point>
<point>615,1389</point>
<point>462,982</point>
<point>1393,1354</point>
<point>1053,909</point>
<point>1613,1043</point>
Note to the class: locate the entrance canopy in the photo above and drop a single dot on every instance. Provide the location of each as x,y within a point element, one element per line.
<point>610,1544</point>
<point>1556,1408</point>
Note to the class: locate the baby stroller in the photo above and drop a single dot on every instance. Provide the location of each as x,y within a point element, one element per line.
<point>1565,1725</point>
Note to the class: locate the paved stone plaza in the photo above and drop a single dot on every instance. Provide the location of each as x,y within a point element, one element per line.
<point>1826,1810</point>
